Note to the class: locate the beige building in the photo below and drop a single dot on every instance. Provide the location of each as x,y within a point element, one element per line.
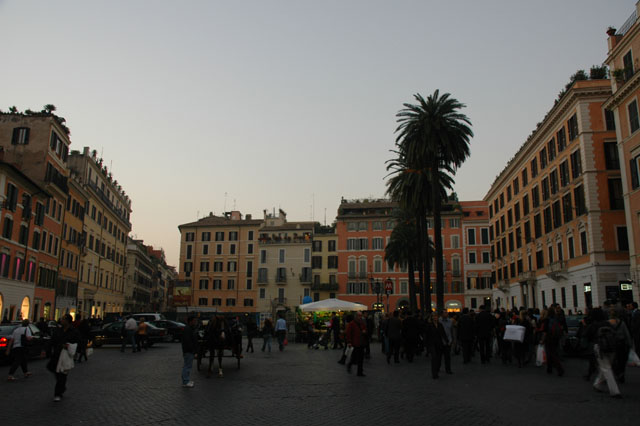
<point>324,264</point>
<point>218,260</point>
<point>107,221</point>
<point>557,219</point>
<point>284,264</point>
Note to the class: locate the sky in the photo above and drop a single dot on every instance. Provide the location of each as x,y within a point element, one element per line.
<point>209,106</point>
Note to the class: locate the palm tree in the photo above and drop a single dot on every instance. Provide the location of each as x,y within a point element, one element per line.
<point>434,136</point>
<point>49,108</point>
<point>402,249</point>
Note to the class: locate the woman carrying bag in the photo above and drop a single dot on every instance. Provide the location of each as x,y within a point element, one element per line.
<point>65,342</point>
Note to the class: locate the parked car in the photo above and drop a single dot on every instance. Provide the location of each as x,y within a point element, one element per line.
<point>574,344</point>
<point>111,334</point>
<point>174,328</point>
<point>39,343</point>
<point>149,316</point>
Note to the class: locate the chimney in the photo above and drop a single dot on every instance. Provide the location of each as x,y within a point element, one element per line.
<point>236,215</point>
<point>247,217</point>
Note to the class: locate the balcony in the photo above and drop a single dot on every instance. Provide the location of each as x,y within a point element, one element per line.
<point>325,287</point>
<point>305,276</point>
<point>456,273</point>
<point>278,301</point>
<point>281,279</point>
<point>362,274</point>
<point>527,276</point>
<point>262,279</point>
<point>557,270</point>
<point>503,285</point>
<point>284,240</point>
<point>352,274</point>
<point>121,213</point>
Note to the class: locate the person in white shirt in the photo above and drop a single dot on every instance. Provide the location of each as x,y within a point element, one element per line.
<point>130,328</point>
<point>20,353</point>
<point>281,331</point>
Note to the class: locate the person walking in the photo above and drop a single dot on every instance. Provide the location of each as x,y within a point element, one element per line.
<point>436,338</point>
<point>410,331</point>
<point>355,334</point>
<point>189,349</point>
<point>485,323</point>
<point>84,331</point>
<point>252,331</point>
<point>335,329</point>
<point>130,327</point>
<point>623,344</point>
<point>267,332</point>
<point>466,329</point>
<point>64,338</point>
<point>17,347</point>
<point>394,334</point>
<point>447,325</point>
<point>281,332</point>
<point>552,333</point>
<point>141,335</point>
<point>370,326</point>
<point>605,352</point>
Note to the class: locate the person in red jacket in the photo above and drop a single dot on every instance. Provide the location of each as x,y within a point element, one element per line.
<point>356,336</point>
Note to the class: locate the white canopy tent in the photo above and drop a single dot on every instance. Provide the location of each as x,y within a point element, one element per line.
<point>332,305</point>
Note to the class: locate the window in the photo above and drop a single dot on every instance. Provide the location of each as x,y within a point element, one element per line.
<point>332,262</point>
<point>471,236</point>
<point>623,241</point>
<point>218,266</point>
<point>231,284</point>
<point>525,178</point>
<point>249,268</point>
<point>545,189</point>
<point>249,302</point>
<point>216,301</point>
<point>190,236</point>
<point>562,140</point>
<point>316,246</point>
<point>7,229</point>
<point>508,193</point>
<point>583,242</point>
<point>564,173</point>
<point>572,252</point>
<point>535,197</point>
<point>204,266</point>
<point>576,164</point>
<point>516,186</point>
<point>377,264</point>
<point>534,167</point>
<point>543,158</point>
<point>263,256</point>
<point>20,136</point>
<point>205,249</point>
<point>363,226</point>
<point>352,244</point>
<point>232,266</point>
<point>202,301</point>
<point>551,148</point>
<point>377,243</point>
<point>249,248</point>
<point>472,257</point>
<point>567,208</point>
<point>352,226</point>
<point>377,226</point>
<point>578,198</point>
<point>454,223</point>
<point>527,232</point>
<point>539,259</point>
<point>572,124</point>
<point>281,255</point>
<point>616,200</point>
<point>516,212</point>
<point>263,293</point>
<point>485,257</point>
<point>548,223</point>
<point>250,238</point>
<point>455,241</point>
<point>525,205</point>
<point>204,284</point>
<point>609,119</point>
<point>537,226</point>
<point>557,215</point>
<point>316,262</point>
<point>332,245</point>
<point>219,236</point>
<point>612,162</point>
<point>206,236</point>
<point>217,284</point>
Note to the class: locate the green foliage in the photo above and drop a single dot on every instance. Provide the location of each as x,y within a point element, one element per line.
<point>598,72</point>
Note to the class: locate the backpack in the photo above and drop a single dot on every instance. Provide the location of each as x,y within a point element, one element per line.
<point>606,339</point>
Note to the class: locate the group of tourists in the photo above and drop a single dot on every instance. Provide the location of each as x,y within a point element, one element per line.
<point>135,333</point>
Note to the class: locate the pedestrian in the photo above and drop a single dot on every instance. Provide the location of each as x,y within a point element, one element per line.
<point>65,341</point>
<point>189,349</point>
<point>267,332</point>
<point>382,330</point>
<point>552,332</point>
<point>394,334</point>
<point>447,342</point>
<point>252,331</point>
<point>83,330</point>
<point>43,327</point>
<point>436,338</point>
<point>605,352</point>
<point>485,323</point>
<point>623,344</point>
<point>410,331</point>
<point>335,329</point>
<point>355,334</point>
<point>521,349</point>
<point>130,328</point>
<point>369,324</point>
<point>466,332</point>
<point>281,331</point>
<point>141,335</point>
<point>17,346</point>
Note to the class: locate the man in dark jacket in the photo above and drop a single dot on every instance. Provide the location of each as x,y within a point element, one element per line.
<point>485,323</point>
<point>394,333</point>
<point>466,329</point>
<point>189,349</point>
<point>410,330</point>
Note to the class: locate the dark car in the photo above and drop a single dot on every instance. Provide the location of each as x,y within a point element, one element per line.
<point>174,328</point>
<point>38,345</point>
<point>111,334</point>
<point>574,345</point>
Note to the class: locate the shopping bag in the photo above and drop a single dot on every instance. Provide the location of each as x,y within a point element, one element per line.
<point>541,356</point>
<point>495,347</point>
<point>633,360</point>
<point>89,352</point>
<point>348,351</point>
<point>286,342</point>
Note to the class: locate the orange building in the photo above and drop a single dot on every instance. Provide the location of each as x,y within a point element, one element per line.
<point>364,227</point>
<point>477,265</point>
<point>557,213</point>
<point>621,112</point>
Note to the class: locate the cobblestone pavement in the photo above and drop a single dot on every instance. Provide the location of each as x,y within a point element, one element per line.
<point>308,387</point>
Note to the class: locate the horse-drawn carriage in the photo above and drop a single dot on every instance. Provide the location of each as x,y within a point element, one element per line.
<point>220,338</point>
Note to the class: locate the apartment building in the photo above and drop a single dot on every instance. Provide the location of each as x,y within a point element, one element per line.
<point>139,277</point>
<point>557,221</point>
<point>20,244</point>
<point>324,263</point>
<point>107,221</point>
<point>621,114</point>
<point>72,248</point>
<point>476,247</point>
<point>219,260</point>
<point>37,144</point>
<point>284,264</point>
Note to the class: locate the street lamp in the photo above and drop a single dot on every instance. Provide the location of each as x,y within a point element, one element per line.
<point>376,288</point>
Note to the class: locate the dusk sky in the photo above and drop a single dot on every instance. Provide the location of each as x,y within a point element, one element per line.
<point>286,104</point>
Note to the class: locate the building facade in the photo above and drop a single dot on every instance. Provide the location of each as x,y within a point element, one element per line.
<point>107,225</point>
<point>139,278</point>
<point>324,264</point>
<point>476,247</point>
<point>622,114</point>
<point>556,211</point>
<point>284,264</point>
<point>218,261</point>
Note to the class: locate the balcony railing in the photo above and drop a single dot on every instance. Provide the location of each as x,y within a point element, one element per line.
<point>325,287</point>
<point>527,276</point>
<point>558,267</point>
<point>262,279</point>
<point>362,274</point>
<point>279,301</point>
<point>352,274</point>
<point>119,212</point>
<point>283,240</point>
<point>281,279</point>
<point>503,285</point>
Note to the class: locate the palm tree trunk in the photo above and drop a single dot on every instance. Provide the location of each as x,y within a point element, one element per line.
<point>425,252</point>
<point>412,285</point>
<point>421,275</point>
<point>437,233</point>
